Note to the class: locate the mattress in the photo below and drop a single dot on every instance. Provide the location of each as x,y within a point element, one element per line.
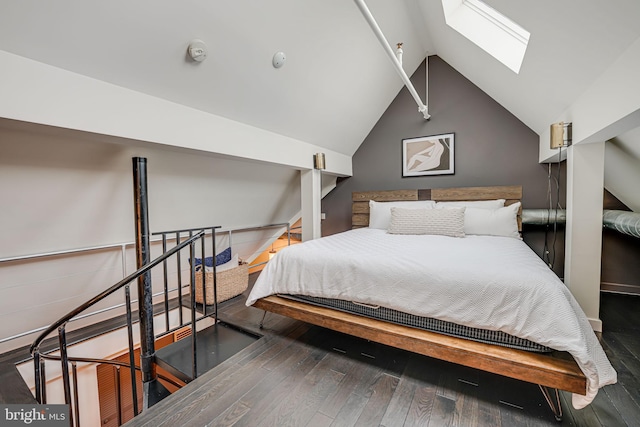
<point>486,282</point>
<point>426,323</point>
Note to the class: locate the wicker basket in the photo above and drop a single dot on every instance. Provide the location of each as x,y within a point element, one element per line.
<point>230,283</point>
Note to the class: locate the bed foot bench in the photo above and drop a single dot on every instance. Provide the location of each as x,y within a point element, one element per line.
<point>556,371</point>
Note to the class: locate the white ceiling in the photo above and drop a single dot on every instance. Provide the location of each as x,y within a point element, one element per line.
<point>572,42</point>
<point>335,84</point>
<point>337,81</point>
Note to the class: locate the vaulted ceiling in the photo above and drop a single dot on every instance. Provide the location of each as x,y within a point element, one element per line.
<point>336,81</point>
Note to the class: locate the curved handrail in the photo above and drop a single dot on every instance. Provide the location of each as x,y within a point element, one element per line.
<point>64,319</point>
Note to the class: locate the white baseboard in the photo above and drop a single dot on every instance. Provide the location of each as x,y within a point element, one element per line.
<point>596,324</point>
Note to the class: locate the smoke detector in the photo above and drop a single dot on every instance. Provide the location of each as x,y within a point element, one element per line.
<point>197,50</point>
<point>278,59</point>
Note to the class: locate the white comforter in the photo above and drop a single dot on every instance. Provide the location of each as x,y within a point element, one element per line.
<point>487,282</point>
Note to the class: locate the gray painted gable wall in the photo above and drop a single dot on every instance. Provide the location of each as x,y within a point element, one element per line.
<point>492,147</point>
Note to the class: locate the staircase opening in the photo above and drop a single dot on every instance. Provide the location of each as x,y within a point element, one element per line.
<point>115,394</point>
<point>194,336</point>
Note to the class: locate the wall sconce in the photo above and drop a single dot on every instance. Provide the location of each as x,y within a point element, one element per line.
<point>272,253</point>
<point>318,161</point>
<point>560,135</point>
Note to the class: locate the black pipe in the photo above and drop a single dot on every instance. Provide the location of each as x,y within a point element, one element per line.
<point>119,396</point>
<point>145,294</point>
<point>132,363</point>
<point>66,381</point>
<point>40,378</point>
<point>43,378</point>
<point>165,272</point>
<point>76,396</point>
<point>37,376</point>
<point>203,273</point>
<point>215,283</point>
<point>179,273</point>
<point>194,349</point>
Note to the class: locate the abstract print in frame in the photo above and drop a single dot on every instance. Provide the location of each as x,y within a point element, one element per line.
<point>427,155</point>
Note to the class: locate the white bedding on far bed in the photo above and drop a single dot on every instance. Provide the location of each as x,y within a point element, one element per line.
<point>487,282</point>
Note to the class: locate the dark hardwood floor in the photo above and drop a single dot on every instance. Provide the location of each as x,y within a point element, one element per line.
<point>302,375</point>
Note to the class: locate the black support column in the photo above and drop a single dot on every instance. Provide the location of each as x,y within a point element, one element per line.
<point>152,389</point>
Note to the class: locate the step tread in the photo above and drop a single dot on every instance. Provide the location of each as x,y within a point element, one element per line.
<point>215,344</point>
<point>14,390</point>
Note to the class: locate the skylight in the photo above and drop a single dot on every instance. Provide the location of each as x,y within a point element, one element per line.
<point>496,34</point>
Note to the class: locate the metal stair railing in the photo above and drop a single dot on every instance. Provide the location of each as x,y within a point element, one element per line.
<point>177,235</point>
<point>70,380</point>
<point>40,357</point>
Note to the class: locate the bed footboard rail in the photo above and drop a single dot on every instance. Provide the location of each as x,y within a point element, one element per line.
<point>557,371</point>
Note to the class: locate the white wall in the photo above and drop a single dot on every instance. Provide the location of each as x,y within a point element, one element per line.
<point>75,193</point>
<point>64,189</point>
<point>622,168</point>
<point>583,250</point>
<point>608,108</point>
<point>39,93</point>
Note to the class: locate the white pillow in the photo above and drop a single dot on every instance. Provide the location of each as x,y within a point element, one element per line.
<point>479,204</point>
<point>233,263</point>
<point>380,212</point>
<point>493,222</point>
<point>443,222</point>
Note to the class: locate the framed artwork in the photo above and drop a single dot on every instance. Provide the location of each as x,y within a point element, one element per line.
<point>428,155</point>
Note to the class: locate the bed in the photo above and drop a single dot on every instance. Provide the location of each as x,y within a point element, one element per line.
<point>493,283</point>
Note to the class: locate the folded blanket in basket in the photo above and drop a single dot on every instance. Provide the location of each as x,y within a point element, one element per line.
<point>235,261</point>
<point>222,258</point>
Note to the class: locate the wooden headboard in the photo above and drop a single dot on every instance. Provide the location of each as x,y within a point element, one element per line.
<point>360,199</point>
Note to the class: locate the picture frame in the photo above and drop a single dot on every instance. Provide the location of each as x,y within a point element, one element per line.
<point>428,155</point>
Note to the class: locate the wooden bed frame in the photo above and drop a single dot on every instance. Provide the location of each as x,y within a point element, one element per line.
<point>556,370</point>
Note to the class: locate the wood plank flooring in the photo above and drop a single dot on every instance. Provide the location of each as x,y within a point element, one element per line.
<point>302,375</point>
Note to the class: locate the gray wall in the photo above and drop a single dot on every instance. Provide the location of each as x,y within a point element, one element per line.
<point>492,147</point>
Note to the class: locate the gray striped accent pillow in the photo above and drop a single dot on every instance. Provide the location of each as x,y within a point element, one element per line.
<point>444,222</point>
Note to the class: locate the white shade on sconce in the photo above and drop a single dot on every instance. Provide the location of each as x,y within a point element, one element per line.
<point>560,135</point>
<point>319,162</point>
